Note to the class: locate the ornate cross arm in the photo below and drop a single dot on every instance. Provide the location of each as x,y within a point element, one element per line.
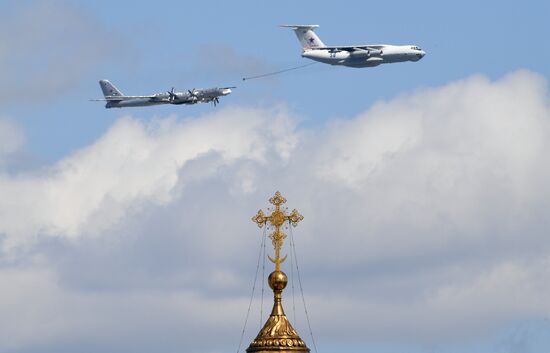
<point>277,218</point>
<point>260,219</point>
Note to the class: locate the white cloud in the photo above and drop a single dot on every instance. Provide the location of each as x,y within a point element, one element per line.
<point>466,303</point>
<point>38,313</point>
<point>426,216</point>
<point>133,162</point>
<point>468,158</point>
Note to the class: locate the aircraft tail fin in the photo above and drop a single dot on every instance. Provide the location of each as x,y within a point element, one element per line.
<point>109,90</point>
<point>306,35</point>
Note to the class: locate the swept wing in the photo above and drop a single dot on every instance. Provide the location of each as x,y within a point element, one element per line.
<point>351,48</point>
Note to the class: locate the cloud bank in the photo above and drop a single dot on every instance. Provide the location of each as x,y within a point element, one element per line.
<point>426,220</point>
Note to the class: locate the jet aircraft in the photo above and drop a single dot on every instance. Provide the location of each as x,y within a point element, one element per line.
<point>368,55</point>
<point>115,98</point>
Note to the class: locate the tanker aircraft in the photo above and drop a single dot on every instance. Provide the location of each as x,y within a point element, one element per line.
<point>366,55</point>
<point>115,98</point>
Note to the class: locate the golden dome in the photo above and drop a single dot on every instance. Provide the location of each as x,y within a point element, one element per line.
<point>277,335</point>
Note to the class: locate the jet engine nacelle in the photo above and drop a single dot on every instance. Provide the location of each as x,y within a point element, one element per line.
<point>366,53</point>
<point>360,53</point>
<point>374,61</point>
<point>375,52</point>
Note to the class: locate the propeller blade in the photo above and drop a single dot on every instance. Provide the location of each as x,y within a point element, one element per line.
<point>171,95</point>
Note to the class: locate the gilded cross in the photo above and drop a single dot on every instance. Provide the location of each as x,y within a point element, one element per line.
<point>277,218</point>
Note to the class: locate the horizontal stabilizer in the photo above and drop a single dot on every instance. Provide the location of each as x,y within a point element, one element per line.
<point>300,26</point>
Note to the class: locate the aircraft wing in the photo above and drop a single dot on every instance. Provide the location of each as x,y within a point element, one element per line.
<point>122,98</point>
<point>351,48</point>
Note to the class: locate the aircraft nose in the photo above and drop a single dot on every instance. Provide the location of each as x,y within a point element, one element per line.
<point>226,91</point>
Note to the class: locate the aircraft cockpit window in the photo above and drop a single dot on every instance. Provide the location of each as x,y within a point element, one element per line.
<point>416,48</point>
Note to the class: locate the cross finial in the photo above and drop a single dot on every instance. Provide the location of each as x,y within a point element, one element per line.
<point>277,218</point>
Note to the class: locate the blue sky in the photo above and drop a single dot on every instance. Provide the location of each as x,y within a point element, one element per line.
<point>424,185</point>
<point>151,48</point>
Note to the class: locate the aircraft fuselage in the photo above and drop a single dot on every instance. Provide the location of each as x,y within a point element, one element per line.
<point>358,57</point>
<point>190,97</point>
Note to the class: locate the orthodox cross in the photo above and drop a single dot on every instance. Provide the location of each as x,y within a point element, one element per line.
<point>277,218</point>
